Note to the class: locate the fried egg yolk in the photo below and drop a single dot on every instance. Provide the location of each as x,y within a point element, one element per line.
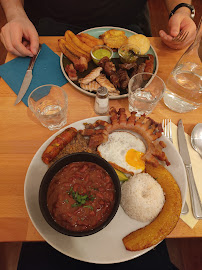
<point>123,151</point>
<point>133,158</point>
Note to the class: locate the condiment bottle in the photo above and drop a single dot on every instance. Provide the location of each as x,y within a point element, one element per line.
<point>102,101</point>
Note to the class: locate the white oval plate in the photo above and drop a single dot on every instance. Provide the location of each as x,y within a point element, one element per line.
<point>105,246</point>
<point>96,32</point>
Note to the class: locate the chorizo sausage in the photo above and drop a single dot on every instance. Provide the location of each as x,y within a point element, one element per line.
<point>60,141</point>
<point>149,66</point>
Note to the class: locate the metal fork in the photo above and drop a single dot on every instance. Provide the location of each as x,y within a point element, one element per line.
<point>167,131</point>
<point>181,36</point>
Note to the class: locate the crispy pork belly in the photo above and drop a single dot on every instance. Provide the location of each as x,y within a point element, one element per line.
<point>80,64</point>
<point>71,71</point>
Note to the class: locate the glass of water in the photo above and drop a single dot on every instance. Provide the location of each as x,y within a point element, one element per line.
<point>145,90</point>
<point>184,84</point>
<point>49,105</point>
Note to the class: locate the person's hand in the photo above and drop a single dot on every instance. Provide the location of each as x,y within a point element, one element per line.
<point>20,37</point>
<point>179,22</point>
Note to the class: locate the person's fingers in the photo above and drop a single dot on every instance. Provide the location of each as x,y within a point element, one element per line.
<point>172,44</point>
<point>33,38</point>
<point>25,43</point>
<point>168,40</point>
<point>179,22</point>
<point>174,25</point>
<point>14,34</point>
<point>165,36</point>
<point>16,39</point>
<point>6,40</point>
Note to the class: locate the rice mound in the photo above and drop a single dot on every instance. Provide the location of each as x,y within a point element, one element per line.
<point>142,197</point>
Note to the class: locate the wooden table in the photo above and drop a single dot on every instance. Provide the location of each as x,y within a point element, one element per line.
<point>21,135</point>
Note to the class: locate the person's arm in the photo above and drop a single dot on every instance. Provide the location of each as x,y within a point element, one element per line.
<point>170,4</point>
<point>18,35</point>
<point>180,21</point>
<point>12,8</point>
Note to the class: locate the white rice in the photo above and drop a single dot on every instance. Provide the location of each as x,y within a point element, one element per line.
<point>142,197</point>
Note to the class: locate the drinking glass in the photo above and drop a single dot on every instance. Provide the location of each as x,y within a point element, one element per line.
<point>49,105</point>
<point>184,84</point>
<point>145,90</point>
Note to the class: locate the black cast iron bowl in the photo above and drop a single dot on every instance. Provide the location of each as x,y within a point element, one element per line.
<point>58,165</point>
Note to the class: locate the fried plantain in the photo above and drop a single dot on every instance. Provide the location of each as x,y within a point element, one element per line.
<point>65,51</point>
<point>75,50</point>
<point>95,40</point>
<point>167,219</point>
<point>72,44</point>
<point>114,38</point>
<point>87,41</point>
<point>78,42</point>
<point>80,63</point>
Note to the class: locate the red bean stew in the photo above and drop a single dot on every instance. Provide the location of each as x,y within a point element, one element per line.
<point>81,196</point>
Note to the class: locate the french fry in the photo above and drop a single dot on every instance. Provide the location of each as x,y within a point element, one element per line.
<point>97,41</point>
<point>75,50</point>
<point>77,42</point>
<point>70,41</point>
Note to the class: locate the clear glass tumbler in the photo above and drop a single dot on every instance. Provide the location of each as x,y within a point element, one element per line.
<point>145,90</point>
<point>49,105</point>
<point>184,84</point>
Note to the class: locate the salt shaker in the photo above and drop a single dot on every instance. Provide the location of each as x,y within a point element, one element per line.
<point>102,101</point>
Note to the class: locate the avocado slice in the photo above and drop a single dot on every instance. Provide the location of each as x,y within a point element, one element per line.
<point>121,175</point>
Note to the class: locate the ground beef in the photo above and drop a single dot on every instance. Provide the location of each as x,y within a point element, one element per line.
<point>78,144</point>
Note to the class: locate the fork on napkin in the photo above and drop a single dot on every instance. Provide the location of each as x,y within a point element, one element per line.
<point>46,71</point>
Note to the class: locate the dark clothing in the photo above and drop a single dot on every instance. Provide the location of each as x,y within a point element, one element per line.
<point>78,15</point>
<point>42,256</point>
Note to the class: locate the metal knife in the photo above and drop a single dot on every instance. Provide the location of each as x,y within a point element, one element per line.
<point>27,79</point>
<point>195,198</point>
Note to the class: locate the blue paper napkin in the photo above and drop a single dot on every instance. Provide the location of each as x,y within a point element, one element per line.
<point>46,70</point>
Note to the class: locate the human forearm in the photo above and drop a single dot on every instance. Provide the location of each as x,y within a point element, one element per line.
<point>13,8</point>
<point>18,35</point>
<point>170,4</point>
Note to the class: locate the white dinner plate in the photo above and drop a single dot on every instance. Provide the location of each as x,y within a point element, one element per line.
<point>105,246</point>
<point>96,32</point>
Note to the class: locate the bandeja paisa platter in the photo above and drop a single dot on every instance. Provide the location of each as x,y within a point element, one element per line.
<point>97,32</point>
<point>98,248</point>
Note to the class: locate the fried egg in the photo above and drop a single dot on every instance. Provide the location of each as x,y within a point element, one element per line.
<point>123,151</point>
